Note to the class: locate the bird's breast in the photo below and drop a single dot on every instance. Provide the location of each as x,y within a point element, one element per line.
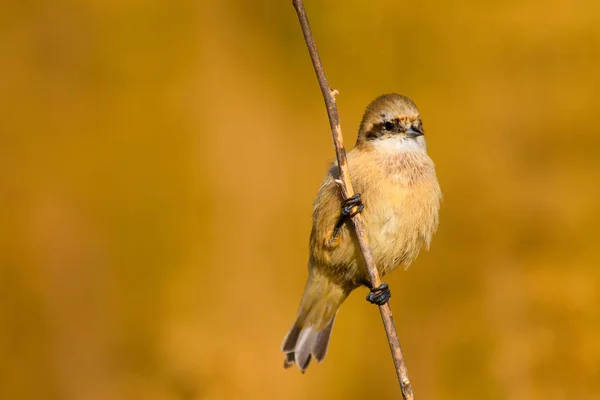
<point>401,209</point>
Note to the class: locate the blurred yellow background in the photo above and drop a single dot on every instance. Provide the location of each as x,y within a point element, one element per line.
<point>158,163</point>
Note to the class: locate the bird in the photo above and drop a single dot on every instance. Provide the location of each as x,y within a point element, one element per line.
<point>398,196</point>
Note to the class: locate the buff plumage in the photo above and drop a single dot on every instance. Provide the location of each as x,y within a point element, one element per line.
<point>390,168</point>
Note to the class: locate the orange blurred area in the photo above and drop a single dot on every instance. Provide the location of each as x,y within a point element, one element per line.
<point>158,163</point>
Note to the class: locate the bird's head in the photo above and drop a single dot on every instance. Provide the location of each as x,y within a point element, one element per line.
<point>392,122</point>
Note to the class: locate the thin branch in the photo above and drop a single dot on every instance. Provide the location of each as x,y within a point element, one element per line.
<point>347,191</point>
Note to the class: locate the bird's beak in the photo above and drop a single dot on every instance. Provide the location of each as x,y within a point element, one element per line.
<point>413,132</point>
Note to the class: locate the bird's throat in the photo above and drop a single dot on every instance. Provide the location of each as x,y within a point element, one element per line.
<point>399,144</point>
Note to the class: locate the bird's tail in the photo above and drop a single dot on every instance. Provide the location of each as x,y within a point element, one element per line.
<point>309,336</point>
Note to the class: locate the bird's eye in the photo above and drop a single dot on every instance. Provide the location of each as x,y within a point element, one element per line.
<point>388,126</point>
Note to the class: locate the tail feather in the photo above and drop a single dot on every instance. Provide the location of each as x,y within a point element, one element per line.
<point>289,343</point>
<point>302,344</point>
<point>319,349</point>
<point>302,351</point>
<point>309,336</point>
<point>289,360</point>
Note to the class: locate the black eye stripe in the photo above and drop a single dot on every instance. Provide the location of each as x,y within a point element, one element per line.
<point>391,127</point>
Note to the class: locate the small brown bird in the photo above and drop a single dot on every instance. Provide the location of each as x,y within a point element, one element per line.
<point>399,197</point>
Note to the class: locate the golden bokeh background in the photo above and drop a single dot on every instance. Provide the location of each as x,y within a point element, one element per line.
<point>158,163</point>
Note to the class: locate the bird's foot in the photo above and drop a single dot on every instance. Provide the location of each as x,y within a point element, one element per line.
<point>379,295</point>
<point>350,203</point>
<point>347,213</point>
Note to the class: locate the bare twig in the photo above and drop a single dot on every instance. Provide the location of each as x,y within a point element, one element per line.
<point>347,191</point>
